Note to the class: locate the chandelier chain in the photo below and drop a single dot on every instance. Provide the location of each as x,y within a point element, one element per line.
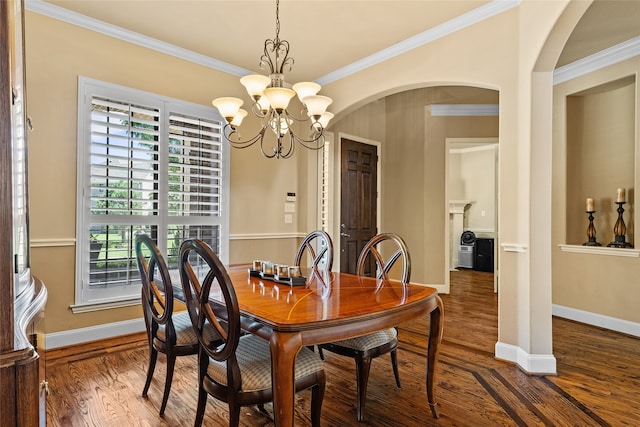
<point>277,22</point>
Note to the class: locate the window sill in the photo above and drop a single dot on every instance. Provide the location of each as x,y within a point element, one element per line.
<point>601,250</point>
<point>88,307</point>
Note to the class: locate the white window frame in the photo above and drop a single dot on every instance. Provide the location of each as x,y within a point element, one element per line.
<point>87,299</point>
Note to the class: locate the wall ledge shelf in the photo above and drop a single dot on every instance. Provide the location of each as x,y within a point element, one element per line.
<point>601,250</point>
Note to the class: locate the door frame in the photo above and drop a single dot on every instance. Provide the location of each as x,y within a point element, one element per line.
<point>447,238</point>
<point>337,191</point>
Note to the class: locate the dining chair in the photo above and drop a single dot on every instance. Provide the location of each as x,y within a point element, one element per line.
<point>238,370</point>
<point>319,249</point>
<point>365,348</point>
<point>167,332</point>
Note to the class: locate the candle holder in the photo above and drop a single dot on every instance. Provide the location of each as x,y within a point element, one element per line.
<point>591,232</point>
<point>619,230</point>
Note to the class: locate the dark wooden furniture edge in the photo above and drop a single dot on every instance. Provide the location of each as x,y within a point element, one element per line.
<point>19,367</point>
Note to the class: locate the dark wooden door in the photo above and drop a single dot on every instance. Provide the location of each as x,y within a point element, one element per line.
<point>358,200</point>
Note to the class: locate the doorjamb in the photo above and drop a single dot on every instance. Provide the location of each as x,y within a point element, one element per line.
<point>335,232</point>
<point>447,238</point>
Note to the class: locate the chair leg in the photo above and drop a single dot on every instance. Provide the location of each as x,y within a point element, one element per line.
<point>202,403</point>
<point>171,363</point>
<point>363,366</point>
<point>153,356</point>
<point>394,364</point>
<point>317,396</point>
<point>234,415</point>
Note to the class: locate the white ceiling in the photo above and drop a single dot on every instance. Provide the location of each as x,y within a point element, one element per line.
<point>325,35</point>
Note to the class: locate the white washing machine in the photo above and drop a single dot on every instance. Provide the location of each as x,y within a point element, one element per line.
<point>466,249</point>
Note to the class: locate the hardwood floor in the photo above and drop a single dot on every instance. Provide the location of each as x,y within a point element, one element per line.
<point>598,382</point>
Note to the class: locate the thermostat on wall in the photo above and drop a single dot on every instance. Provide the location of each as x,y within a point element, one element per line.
<point>291,197</point>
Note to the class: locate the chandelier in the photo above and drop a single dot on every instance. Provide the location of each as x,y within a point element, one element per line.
<point>270,100</point>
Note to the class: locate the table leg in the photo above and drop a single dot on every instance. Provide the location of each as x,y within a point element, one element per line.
<point>284,348</point>
<point>436,325</point>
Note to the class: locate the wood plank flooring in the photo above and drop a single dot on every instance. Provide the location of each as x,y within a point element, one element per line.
<point>99,384</point>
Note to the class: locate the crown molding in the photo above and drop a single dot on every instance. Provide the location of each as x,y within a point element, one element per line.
<point>618,53</point>
<point>472,17</point>
<point>483,12</point>
<point>62,14</point>
<point>621,52</point>
<point>439,110</point>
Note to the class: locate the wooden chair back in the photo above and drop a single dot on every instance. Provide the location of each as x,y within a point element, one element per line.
<point>197,256</point>
<point>371,256</point>
<point>319,248</point>
<point>157,290</point>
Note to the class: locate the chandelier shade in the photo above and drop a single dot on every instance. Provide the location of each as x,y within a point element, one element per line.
<point>316,105</point>
<point>271,97</point>
<point>255,84</point>
<point>279,97</point>
<point>304,89</point>
<point>324,118</point>
<point>228,106</point>
<point>237,119</point>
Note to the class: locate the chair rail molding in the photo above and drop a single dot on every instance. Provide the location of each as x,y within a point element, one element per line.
<point>267,236</point>
<point>515,247</point>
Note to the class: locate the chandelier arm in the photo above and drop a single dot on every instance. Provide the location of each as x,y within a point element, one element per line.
<point>229,132</point>
<point>299,119</point>
<point>318,141</point>
<point>264,153</point>
<point>256,109</point>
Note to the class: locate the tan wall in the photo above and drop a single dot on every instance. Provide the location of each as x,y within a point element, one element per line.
<point>478,171</point>
<point>599,155</point>
<point>472,177</point>
<point>456,181</point>
<point>57,53</point>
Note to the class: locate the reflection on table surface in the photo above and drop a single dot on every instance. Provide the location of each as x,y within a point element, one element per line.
<point>326,296</point>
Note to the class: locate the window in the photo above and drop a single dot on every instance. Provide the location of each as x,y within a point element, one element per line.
<point>146,164</point>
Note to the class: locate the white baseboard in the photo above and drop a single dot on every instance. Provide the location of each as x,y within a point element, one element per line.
<point>93,333</point>
<point>595,319</point>
<point>538,364</point>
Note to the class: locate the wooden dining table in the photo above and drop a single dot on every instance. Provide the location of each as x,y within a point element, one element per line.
<point>331,306</point>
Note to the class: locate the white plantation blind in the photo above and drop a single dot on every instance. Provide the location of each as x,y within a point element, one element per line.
<point>146,164</point>
<point>195,166</point>
<point>124,158</point>
<point>20,202</point>
<point>324,187</point>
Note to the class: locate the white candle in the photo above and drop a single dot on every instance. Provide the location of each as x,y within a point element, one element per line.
<point>620,195</point>
<point>590,205</point>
